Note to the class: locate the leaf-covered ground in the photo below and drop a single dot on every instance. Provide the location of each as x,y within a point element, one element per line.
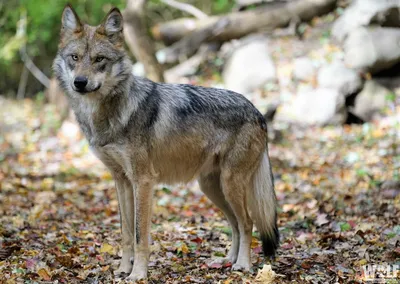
<point>339,207</point>
<point>59,213</point>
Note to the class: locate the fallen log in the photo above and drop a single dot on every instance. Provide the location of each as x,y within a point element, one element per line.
<point>246,22</point>
<point>243,4</point>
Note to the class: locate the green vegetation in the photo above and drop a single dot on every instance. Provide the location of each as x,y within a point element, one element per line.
<point>43,22</point>
<point>43,25</point>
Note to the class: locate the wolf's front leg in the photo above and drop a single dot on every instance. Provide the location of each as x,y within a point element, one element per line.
<point>127,213</point>
<point>143,204</point>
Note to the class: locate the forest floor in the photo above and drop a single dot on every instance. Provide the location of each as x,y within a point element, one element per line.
<point>59,213</point>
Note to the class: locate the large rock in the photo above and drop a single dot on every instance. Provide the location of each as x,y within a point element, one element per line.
<point>315,107</point>
<point>372,49</point>
<point>338,76</point>
<point>249,67</point>
<point>371,100</point>
<point>365,12</point>
<point>303,69</point>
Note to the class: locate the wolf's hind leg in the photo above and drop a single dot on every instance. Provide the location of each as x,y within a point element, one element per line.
<point>234,188</point>
<point>210,184</point>
<point>127,213</point>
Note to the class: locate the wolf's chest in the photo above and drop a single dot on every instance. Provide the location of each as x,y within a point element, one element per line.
<point>117,157</point>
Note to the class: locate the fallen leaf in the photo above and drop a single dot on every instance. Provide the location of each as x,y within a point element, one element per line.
<point>44,274</point>
<point>266,275</point>
<point>107,248</point>
<point>321,219</point>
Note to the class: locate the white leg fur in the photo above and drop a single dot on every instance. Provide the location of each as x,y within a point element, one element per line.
<point>143,205</point>
<point>127,212</point>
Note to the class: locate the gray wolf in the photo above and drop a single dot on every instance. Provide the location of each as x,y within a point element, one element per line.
<point>148,133</point>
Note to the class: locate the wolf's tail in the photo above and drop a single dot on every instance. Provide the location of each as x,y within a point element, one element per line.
<point>262,205</point>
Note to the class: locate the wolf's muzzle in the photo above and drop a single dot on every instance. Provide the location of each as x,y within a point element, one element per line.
<point>80,83</point>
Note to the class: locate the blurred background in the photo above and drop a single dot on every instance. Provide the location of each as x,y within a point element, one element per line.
<point>325,73</point>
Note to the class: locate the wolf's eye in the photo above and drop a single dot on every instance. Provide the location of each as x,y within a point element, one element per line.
<point>74,57</point>
<point>99,59</point>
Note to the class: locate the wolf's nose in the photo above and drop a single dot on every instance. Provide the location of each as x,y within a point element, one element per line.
<point>80,82</point>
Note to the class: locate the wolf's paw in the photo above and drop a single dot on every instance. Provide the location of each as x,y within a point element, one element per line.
<point>241,267</point>
<point>218,262</point>
<point>232,256</point>
<point>136,275</point>
<point>122,271</point>
<point>124,268</point>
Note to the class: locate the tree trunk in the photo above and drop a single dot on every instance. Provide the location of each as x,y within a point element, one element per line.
<point>138,39</point>
<point>244,23</point>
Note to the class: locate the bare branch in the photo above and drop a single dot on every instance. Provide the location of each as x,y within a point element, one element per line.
<point>188,45</point>
<point>186,8</point>
<point>190,66</point>
<point>39,75</point>
<point>22,83</point>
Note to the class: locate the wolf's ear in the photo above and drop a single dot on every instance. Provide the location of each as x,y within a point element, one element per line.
<point>112,25</point>
<point>70,20</point>
<point>113,22</point>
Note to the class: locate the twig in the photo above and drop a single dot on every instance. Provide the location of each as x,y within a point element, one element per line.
<point>190,66</point>
<point>186,8</point>
<point>39,75</point>
<point>22,83</point>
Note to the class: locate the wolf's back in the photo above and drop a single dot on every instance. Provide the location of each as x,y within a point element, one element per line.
<point>190,104</point>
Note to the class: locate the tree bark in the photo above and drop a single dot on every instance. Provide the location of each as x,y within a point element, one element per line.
<point>243,23</point>
<point>138,39</point>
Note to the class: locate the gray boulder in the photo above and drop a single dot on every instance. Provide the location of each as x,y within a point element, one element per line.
<point>337,76</point>
<point>249,67</point>
<point>371,100</point>
<point>362,13</point>
<point>372,49</point>
<point>303,69</point>
<point>321,107</point>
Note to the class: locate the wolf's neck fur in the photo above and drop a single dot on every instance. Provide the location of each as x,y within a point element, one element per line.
<point>103,117</point>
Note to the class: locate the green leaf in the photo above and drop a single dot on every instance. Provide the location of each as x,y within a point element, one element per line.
<point>166,190</point>
<point>226,230</point>
<point>391,235</point>
<point>345,227</point>
<point>219,254</point>
<point>390,97</point>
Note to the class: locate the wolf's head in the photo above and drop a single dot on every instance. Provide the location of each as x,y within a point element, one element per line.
<point>91,59</point>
